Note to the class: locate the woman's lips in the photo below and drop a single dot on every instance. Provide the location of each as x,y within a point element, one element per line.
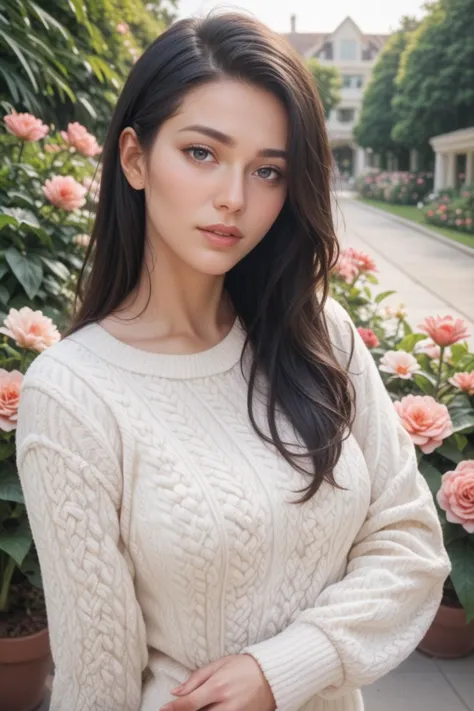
<point>220,239</point>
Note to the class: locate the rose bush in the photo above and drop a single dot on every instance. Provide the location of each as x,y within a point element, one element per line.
<point>47,195</point>
<point>429,374</point>
<point>25,334</point>
<point>397,187</point>
<point>453,208</point>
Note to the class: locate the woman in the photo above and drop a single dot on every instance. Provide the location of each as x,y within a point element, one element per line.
<point>227,514</point>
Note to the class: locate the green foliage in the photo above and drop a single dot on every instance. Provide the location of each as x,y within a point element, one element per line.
<point>328,82</point>
<point>66,61</point>
<point>39,250</point>
<point>377,116</point>
<point>453,208</point>
<point>435,83</point>
<point>387,330</point>
<point>398,187</point>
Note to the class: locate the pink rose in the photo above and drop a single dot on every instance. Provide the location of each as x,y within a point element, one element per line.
<point>427,422</point>
<point>30,329</point>
<point>65,192</point>
<point>10,384</point>
<point>456,495</point>
<point>369,337</point>
<point>122,28</point>
<point>363,261</point>
<point>399,363</point>
<point>346,269</point>
<point>444,330</point>
<point>464,381</point>
<point>26,127</point>
<point>79,138</point>
<point>82,240</point>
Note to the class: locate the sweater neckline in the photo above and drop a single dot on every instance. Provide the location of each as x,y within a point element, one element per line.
<point>178,366</point>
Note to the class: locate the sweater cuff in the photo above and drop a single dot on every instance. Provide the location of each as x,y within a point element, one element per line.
<point>298,663</point>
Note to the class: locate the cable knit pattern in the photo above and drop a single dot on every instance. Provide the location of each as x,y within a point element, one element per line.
<point>167,538</point>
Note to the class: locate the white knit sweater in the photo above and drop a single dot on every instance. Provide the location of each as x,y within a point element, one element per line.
<point>167,540</point>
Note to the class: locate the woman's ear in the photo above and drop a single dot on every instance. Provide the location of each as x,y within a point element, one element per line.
<point>132,159</point>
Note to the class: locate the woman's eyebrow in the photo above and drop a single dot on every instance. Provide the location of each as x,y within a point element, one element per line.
<point>229,141</point>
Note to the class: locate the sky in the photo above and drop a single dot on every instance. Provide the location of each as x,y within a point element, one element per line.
<point>372,16</point>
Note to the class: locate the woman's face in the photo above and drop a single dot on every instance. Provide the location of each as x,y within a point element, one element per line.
<point>219,162</point>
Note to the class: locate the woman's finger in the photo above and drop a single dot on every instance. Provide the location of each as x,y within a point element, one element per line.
<point>204,697</point>
<point>198,678</point>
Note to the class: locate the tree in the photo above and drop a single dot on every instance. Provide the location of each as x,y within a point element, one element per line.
<point>435,82</point>
<point>328,83</point>
<point>377,117</point>
<point>65,61</point>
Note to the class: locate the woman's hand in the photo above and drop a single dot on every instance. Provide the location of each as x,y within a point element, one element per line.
<point>233,683</point>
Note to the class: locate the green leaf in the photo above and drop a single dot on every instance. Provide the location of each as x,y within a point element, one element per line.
<point>461,441</point>
<point>10,488</point>
<point>58,268</point>
<point>28,271</point>
<point>425,383</point>
<point>22,216</point>
<point>458,350</point>
<point>461,554</point>
<point>409,342</point>
<point>384,295</point>
<point>7,220</point>
<point>6,450</point>
<point>31,569</point>
<point>407,329</point>
<point>450,451</point>
<point>431,474</point>
<point>16,543</point>
<point>4,295</point>
<point>463,420</point>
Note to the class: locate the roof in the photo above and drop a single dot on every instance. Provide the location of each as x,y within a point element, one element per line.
<point>305,42</point>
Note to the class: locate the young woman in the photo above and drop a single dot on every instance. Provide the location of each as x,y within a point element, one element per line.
<point>227,513</point>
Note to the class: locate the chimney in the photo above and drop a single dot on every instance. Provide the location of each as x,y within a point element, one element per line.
<point>293,23</point>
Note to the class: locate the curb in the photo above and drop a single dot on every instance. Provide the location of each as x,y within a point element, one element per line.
<point>418,228</point>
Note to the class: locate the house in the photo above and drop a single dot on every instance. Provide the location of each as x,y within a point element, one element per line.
<point>354,54</point>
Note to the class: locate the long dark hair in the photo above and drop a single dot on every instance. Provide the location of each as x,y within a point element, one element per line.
<point>280,288</point>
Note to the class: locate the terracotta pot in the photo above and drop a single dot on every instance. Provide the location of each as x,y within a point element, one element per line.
<point>449,637</point>
<point>25,662</point>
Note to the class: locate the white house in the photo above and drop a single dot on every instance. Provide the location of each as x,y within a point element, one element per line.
<point>354,54</point>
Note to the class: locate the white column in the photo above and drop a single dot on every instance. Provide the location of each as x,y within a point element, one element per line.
<point>451,172</point>
<point>360,161</point>
<point>413,160</point>
<point>469,167</point>
<point>439,172</point>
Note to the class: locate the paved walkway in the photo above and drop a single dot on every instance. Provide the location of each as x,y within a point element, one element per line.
<point>430,277</point>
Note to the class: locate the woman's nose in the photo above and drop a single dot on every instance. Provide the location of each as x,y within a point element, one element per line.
<point>231,192</point>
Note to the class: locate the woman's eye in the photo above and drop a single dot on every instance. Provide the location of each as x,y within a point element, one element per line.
<point>199,154</point>
<point>270,174</point>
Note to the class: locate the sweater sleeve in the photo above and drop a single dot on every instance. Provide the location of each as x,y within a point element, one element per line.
<point>72,485</point>
<point>366,624</point>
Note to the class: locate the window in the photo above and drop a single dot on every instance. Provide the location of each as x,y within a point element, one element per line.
<point>345,115</point>
<point>348,49</point>
<point>352,81</point>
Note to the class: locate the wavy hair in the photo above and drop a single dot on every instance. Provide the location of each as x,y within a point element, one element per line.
<point>279,289</point>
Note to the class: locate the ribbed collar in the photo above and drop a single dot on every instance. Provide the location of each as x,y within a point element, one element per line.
<point>218,359</point>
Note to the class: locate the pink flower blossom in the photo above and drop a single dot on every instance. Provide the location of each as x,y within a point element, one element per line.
<point>399,363</point>
<point>431,350</point>
<point>65,192</point>
<point>444,330</point>
<point>79,138</point>
<point>122,28</point>
<point>30,329</point>
<point>456,495</point>
<point>468,220</point>
<point>369,337</point>
<point>346,269</point>
<point>464,381</point>
<point>427,422</point>
<point>10,384</point>
<point>26,126</point>
<point>52,148</point>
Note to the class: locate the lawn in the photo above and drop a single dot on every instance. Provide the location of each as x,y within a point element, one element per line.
<point>410,212</point>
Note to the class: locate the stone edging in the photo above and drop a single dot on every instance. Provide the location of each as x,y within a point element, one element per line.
<point>419,228</point>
